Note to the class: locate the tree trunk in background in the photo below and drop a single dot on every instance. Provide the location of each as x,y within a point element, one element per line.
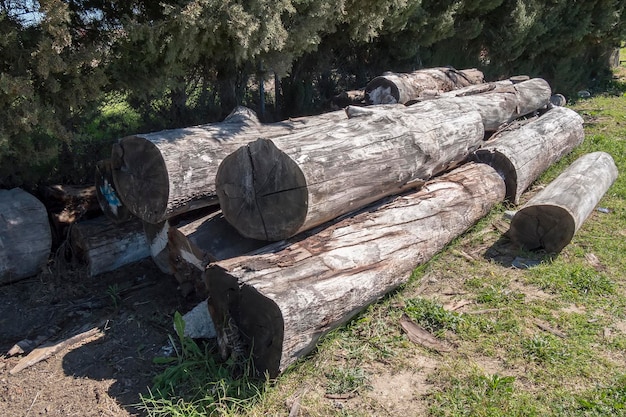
<point>276,304</point>
<point>550,219</point>
<point>25,237</point>
<point>272,190</point>
<point>521,155</point>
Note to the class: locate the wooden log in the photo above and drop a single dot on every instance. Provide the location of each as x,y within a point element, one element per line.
<point>521,155</point>
<point>108,199</point>
<point>272,190</point>
<point>163,174</point>
<point>104,246</point>
<point>392,88</point>
<point>25,236</point>
<point>348,98</point>
<point>550,219</point>
<point>277,302</point>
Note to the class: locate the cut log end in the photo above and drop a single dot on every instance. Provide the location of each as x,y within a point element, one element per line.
<point>504,168</point>
<point>252,323</point>
<point>546,227</point>
<point>262,192</point>
<point>141,178</point>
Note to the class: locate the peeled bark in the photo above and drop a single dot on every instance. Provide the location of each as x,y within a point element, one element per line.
<point>521,155</point>
<point>108,199</point>
<point>25,237</point>
<point>163,174</point>
<point>392,88</point>
<point>276,303</point>
<point>550,219</point>
<point>272,190</point>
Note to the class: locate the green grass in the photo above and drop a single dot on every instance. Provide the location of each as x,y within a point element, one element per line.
<point>549,340</point>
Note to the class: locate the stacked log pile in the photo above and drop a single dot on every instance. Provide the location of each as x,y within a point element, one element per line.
<point>320,216</point>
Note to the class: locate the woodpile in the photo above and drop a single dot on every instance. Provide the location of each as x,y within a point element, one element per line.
<point>290,229</point>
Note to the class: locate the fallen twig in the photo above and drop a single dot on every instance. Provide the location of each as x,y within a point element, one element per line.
<point>420,336</point>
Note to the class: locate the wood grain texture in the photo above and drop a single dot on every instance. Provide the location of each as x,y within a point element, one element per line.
<point>521,155</point>
<point>163,174</point>
<point>272,190</point>
<point>392,88</point>
<point>277,302</point>
<point>550,219</point>
<point>25,236</point>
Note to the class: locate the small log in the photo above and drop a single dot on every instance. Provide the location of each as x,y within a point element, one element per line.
<point>277,302</point>
<point>25,235</point>
<point>550,219</point>
<point>104,246</point>
<point>163,174</point>
<point>392,88</point>
<point>108,199</point>
<point>272,190</point>
<point>521,155</point>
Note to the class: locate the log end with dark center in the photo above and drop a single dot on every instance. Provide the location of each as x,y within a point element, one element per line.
<point>141,178</point>
<point>262,191</point>
<point>546,227</point>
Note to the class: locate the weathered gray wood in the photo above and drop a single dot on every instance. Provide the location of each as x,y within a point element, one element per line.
<point>25,237</point>
<point>163,174</point>
<point>104,246</point>
<point>271,190</point>
<point>108,199</point>
<point>550,219</point>
<point>521,155</point>
<point>392,88</point>
<point>277,302</point>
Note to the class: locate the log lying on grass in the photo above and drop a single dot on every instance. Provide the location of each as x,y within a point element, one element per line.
<point>25,236</point>
<point>278,302</point>
<point>163,174</point>
<point>392,88</point>
<point>272,190</point>
<point>550,219</point>
<point>108,199</point>
<point>521,155</point>
<point>104,246</point>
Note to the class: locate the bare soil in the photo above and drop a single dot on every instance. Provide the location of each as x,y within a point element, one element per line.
<point>104,375</point>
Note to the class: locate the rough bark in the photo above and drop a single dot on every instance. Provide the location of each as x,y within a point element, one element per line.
<point>550,219</point>
<point>104,246</point>
<point>108,198</point>
<point>272,190</point>
<point>392,88</point>
<point>521,155</point>
<point>25,236</point>
<point>163,174</point>
<point>277,302</point>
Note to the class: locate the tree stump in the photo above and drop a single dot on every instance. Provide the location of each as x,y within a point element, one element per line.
<point>550,219</point>
<point>272,190</point>
<point>521,155</point>
<point>25,236</point>
<point>276,303</point>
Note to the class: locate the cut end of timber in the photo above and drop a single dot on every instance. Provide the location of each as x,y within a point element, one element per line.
<point>503,167</point>
<point>381,91</point>
<point>246,322</point>
<point>141,178</point>
<point>546,227</point>
<point>262,192</point>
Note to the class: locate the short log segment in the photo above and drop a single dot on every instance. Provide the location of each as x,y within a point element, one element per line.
<point>104,246</point>
<point>272,190</point>
<point>278,302</point>
<point>108,199</point>
<point>550,219</point>
<point>25,236</point>
<point>521,155</point>
<point>392,88</point>
<point>163,174</point>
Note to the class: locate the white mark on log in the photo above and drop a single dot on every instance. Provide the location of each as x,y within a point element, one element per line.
<point>191,259</point>
<point>302,159</point>
<point>188,175</point>
<point>382,95</point>
<point>159,242</point>
<point>206,158</point>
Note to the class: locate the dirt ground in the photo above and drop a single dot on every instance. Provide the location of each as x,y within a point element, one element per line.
<point>104,375</point>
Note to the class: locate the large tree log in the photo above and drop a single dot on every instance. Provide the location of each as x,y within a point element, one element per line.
<point>521,155</point>
<point>108,199</point>
<point>278,302</point>
<point>104,246</point>
<point>25,237</point>
<point>271,190</point>
<point>163,174</point>
<point>550,219</point>
<point>392,88</point>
